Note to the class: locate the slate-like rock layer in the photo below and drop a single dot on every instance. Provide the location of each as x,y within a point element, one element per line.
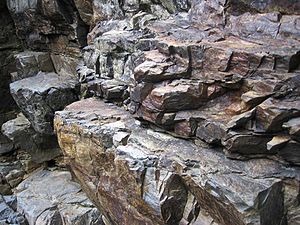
<point>153,178</point>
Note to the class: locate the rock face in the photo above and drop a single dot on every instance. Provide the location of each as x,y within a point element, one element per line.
<point>211,73</point>
<point>191,117</point>
<point>51,197</point>
<point>48,25</point>
<point>9,44</point>
<point>41,147</point>
<point>139,176</point>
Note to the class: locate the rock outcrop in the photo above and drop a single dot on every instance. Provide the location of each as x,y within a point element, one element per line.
<point>139,176</point>
<point>211,73</point>
<point>186,112</point>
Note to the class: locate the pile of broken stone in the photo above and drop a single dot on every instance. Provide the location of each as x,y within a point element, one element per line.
<point>166,112</point>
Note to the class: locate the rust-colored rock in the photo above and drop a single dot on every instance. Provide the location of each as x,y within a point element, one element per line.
<point>154,178</point>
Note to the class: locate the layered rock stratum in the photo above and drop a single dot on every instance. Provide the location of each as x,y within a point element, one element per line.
<point>165,112</point>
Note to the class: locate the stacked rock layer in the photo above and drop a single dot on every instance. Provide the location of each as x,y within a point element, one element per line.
<point>189,111</point>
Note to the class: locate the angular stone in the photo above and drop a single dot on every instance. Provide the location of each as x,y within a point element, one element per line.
<point>40,96</point>
<point>6,145</point>
<point>252,98</point>
<point>41,147</point>
<point>29,63</point>
<point>211,132</point>
<point>180,95</point>
<point>11,173</point>
<point>158,67</point>
<point>112,90</point>
<point>117,41</point>
<point>185,128</point>
<point>65,65</point>
<point>293,126</point>
<point>290,152</point>
<point>240,120</point>
<point>246,143</point>
<point>277,143</point>
<point>8,214</point>
<point>272,113</point>
<point>266,25</point>
<point>57,199</point>
<point>289,27</point>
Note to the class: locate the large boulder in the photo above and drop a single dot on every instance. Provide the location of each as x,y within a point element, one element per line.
<point>40,96</point>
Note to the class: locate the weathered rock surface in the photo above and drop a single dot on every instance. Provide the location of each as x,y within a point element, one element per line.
<point>9,44</point>
<point>41,147</point>
<point>8,214</point>
<point>48,25</point>
<point>29,63</point>
<point>153,178</point>
<point>51,197</point>
<point>13,169</point>
<point>40,96</point>
<point>191,73</point>
<point>222,75</point>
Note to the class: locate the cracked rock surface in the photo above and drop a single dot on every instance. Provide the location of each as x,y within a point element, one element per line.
<point>40,96</point>
<point>189,112</point>
<point>51,197</point>
<point>154,178</point>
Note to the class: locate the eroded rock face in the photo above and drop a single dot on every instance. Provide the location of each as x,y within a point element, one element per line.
<point>154,178</point>
<point>9,45</point>
<point>211,73</point>
<point>48,25</point>
<point>223,75</point>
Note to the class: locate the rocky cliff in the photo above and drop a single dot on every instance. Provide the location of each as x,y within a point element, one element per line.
<point>166,112</point>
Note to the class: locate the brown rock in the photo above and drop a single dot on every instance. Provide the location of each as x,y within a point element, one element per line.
<point>154,177</point>
<point>272,113</point>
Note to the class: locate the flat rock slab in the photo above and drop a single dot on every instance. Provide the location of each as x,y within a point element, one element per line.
<point>51,197</point>
<point>40,96</point>
<point>153,178</point>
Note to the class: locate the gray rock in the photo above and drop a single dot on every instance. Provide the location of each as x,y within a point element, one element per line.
<point>8,214</point>
<point>41,147</point>
<point>51,197</point>
<point>6,145</point>
<point>29,63</point>
<point>293,126</point>
<point>40,96</point>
